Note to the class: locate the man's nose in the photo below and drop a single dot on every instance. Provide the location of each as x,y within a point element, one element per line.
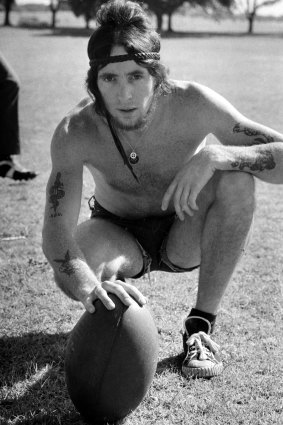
<point>125,92</point>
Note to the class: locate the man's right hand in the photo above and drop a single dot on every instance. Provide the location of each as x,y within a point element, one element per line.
<point>127,293</point>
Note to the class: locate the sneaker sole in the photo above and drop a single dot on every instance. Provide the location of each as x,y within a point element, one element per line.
<point>194,372</point>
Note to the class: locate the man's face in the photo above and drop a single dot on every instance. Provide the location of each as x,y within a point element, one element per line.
<point>127,90</point>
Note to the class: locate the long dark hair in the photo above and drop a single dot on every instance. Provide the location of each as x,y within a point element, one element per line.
<point>123,24</point>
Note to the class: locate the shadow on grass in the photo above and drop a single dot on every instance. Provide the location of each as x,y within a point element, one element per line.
<point>57,32</point>
<point>33,381</point>
<point>86,32</point>
<point>208,34</point>
<point>172,363</point>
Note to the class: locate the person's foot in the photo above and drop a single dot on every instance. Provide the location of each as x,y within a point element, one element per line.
<point>10,169</point>
<point>202,354</point>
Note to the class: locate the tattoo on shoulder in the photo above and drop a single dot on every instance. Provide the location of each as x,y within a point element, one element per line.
<point>65,264</point>
<point>56,192</point>
<point>265,161</point>
<point>259,137</point>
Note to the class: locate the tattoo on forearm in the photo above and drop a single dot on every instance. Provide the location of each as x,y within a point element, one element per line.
<point>56,192</point>
<point>65,264</point>
<point>259,137</point>
<point>265,161</point>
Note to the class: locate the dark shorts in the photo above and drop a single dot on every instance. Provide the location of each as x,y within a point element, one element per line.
<point>151,234</point>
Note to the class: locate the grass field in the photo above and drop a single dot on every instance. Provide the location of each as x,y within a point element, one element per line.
<point>36,318</point>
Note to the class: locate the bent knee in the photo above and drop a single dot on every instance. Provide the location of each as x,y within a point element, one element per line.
<point>108,249</point>
<point>236,186</point>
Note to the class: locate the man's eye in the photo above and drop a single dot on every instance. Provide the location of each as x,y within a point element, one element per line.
<point>136,77</point>
<point>108,78</point>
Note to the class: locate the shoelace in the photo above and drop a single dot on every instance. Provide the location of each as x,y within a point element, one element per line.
<point>204,347</point>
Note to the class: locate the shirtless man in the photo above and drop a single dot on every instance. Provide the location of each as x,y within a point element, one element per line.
<point>163,200</point>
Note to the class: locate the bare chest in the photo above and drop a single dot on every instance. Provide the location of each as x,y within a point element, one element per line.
<point>160,158</point>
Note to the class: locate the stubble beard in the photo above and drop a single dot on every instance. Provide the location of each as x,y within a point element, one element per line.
<point>142,123</point>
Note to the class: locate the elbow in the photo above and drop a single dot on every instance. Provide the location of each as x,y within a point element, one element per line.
<point>46,243</point>
<point>62,285</point>
<point>45,250</point>
<point>43,242</point>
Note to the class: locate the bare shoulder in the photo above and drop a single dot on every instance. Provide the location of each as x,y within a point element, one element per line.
<point>77,120</point>
<point>192,103</point>
<point>72,133</point>
<point>202,100</point>
<point>193,92</point>
<point>82,115</point>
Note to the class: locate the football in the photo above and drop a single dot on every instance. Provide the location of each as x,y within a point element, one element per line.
<point>111,358</point>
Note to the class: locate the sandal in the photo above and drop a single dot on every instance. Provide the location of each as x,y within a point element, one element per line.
<point>8,169</point>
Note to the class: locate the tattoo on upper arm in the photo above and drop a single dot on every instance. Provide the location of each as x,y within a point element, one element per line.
<point>56,192</point>
<point>259,137</point>
<point>65,264</point>
<point>264,161</point>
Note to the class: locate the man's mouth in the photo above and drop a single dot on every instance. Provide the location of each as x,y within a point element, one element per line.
<point>127,110</point>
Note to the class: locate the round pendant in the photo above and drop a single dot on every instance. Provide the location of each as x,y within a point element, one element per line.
<point>133,158</point>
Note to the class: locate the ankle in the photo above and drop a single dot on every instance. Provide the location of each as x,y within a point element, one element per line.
<point>211,318</point>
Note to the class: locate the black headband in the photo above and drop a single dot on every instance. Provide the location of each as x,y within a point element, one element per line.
<point>122,58</point>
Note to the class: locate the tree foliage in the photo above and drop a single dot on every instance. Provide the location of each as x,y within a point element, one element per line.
<point>86,8</point>
<point>168,7</point>
<point>163,7</point>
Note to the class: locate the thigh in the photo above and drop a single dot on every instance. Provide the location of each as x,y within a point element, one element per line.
<point>108,248</point>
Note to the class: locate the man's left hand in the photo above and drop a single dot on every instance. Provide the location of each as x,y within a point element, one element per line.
<point>188,183</point>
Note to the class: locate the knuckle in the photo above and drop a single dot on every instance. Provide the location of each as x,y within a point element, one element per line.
<point>134,289</point>
<point>101,293</point>
<point>176,196</point>
<point>123,293</point>
<point>116,289</point>
<point>88,302</point>
<point>96,291</point>
<point>193,194</point>
<point>134,293</point>
<point>184,201</point>
<point>131,290</point>
<point>186,209</point>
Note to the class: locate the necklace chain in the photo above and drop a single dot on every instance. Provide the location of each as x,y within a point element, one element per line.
<point>133,157</point>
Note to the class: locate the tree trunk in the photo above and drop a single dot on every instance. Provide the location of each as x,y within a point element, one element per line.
<point>159,17</point>
<point>53,20</point>
<point>8,7</point>
<point>251,22</point>
<point>170,29</point>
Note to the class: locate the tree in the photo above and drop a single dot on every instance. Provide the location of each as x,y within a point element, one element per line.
<point>212,5</point>
<point>168,7</point>
<point>252,6</point>
<point>54,7</point>
<point>86,8</point>
<point>164,7</point>
<point>8,4</point>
